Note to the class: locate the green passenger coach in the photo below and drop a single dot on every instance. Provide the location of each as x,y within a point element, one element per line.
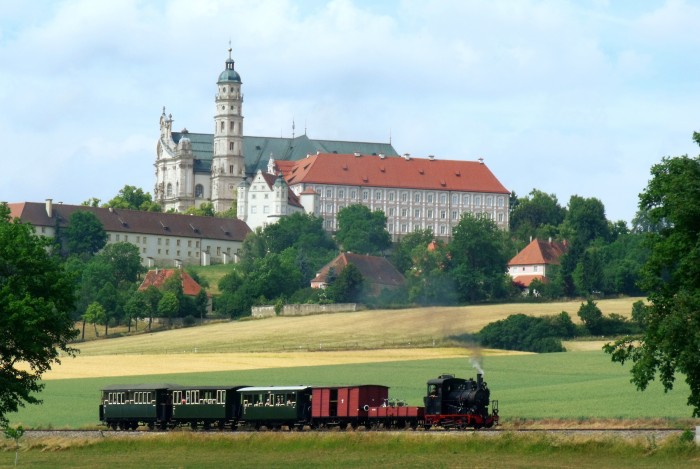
<point>275,406</point>
<point>130,405</point>
<point>205,406</point>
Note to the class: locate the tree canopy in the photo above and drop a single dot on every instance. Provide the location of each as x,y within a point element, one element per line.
<point>85,234</point>
<point>36,298</point>
<point>362,230</point>
<point>133,198</point>
<point>670,343</point>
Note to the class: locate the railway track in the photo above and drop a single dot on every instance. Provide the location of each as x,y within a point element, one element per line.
<point>657,434</point>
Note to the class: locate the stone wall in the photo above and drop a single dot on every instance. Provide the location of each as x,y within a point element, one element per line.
<point>303,310</point>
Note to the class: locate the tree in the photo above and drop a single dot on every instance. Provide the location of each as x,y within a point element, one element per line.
<point>347,286</point>
<point>671,276</point>
<point>402,254</point>
<point>206,209</point>
<point>94,314</point>
<point>36,299</point>
<point>478,256</point>
<point>136,307</point>
<point>125,261</point>
<point>133,198</point>
<point>532,214</point>
<point>428,281</point>
<point>168,306</point>
<point>85,234</point>
<point>152,296</point>
<point>592,317</point>
<point>362,230</point>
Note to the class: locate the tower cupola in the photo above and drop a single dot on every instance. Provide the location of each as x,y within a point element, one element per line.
<point>229,74</point>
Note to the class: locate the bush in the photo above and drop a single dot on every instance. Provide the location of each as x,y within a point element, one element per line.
<point>526,333</point>
<point>189,321</point>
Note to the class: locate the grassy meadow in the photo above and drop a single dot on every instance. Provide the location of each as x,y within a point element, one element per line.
<point>323,450</point>
<point>370,329</point>
<point>579,386</point>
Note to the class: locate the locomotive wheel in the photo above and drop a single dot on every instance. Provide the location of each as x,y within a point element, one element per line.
<point>113,425</point>
<point>134,425</point>
<point>193,425</point>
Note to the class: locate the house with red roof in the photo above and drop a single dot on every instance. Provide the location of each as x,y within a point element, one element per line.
<point>158,277</point>
<point>378,273</point>
<point>414,193</point>
<point>534,261</point>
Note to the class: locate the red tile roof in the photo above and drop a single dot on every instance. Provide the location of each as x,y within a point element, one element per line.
<point>539,253</point>
<point>395,172</point>
<point>526,280</point>
<point>376,270</point>
<point>158,277</point>
<point>292,198</point>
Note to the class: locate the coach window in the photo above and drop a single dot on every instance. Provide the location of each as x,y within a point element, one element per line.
<point>221,396</point>
<point>177,397</point>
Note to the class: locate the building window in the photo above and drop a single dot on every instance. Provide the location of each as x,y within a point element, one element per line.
<point>404,228</point>
<point>416,197</point>
<point>455,214</point>
<point>391,211</point>
<point>169,190</point>
<point>218,250</point>
<point>489,201</point>
<point>230,169</point>
<point>143,250</point>
<point>466,200</point>
<point>416,227</point>
<point>144,240</point>
<point>404,197</point>
<point>404,212</point>
<point>429,228</point>
<point>167,241</point>
<point>117,238</point>
<point>443,198</point>
<point>329,193</point>
<point>430,198</point>
<point>329,208</point>
<point>329,224</point>
<point>177,242</point>
<point>416,213</point>
<point>353,194</point>
<point>390,227</point>
<point>455,199</point>
<point>266,209</point>
<point>377,195</point>
<point>477,200</point>
<point>443,214</point>
<point>160,241</point>
<point>443,229</point>
<point>253,210</point>
<point>500,218</point>
<point>501,201</point>
<point>430,213</point>
<point>341,193</point>
<point>391,196</point>
<point>196,244</point>
<point>189,243</point>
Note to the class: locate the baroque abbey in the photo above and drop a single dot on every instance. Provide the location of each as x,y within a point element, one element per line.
<point>194,168</point>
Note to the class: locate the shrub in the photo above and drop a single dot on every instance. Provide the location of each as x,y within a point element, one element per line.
<point>189,321</point>
<point>521,332</point>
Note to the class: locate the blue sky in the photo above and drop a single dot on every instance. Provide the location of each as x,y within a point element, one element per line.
<point>569,97</point>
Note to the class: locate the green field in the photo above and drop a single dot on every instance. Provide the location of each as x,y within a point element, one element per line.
<point>326,450</point>
<point>575,385</point>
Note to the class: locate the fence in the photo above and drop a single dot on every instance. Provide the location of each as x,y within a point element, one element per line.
<point>303,309</point>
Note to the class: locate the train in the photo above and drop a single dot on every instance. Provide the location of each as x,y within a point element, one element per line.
<point>449,403</point>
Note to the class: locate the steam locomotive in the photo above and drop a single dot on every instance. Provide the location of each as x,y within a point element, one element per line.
<point>450,403</point>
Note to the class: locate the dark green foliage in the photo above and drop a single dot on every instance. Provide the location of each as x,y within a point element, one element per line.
<point>478,255</point>
<point>429,282</point>
<point>133,198</point>
<point>592,317</point>
<point>84,235</point>
<point>347,286</point>
<point>536,215</point>
<point>639,314</point>
<point>189,321</point>
<point>670,343</point>
<point>36,299</point>
<point>526,333</point>
<point>362,231</point>
<point>402,254</point>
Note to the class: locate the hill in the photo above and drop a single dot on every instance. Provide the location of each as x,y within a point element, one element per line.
<point>370,329</point>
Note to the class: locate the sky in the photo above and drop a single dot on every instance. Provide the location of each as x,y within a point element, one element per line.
<point>567,97</point>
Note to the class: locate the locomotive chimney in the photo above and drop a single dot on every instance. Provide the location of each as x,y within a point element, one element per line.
<point>479,381</point>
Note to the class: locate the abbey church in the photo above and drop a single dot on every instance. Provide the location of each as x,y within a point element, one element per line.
<point>192,168</point>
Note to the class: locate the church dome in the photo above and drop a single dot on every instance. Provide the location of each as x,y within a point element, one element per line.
<point>229,74</point>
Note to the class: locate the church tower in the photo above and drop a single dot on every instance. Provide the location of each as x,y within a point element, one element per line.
<point>228,164</point>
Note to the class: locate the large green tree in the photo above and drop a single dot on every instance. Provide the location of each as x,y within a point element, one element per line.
<point>402,253</point>
<point>538,215</point>
<point>671,276</point>
<point>362,230</point>
<point>478,256</point>
<point>36,299</point>
<point>85,234</point>
<point>133,198</point>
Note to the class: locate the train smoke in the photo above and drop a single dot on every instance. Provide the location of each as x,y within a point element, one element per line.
<point>476,363</point>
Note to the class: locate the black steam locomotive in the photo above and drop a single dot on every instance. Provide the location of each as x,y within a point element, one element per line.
<point>451,403</point>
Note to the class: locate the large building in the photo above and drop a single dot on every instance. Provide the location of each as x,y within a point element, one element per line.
<point>194,168</point>
<point>163,239</point>
<point>318,176</point>
<point>413,193</point>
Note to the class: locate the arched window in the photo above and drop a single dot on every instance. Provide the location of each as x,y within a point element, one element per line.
<point>199,191</point>
<point>169,190</point>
